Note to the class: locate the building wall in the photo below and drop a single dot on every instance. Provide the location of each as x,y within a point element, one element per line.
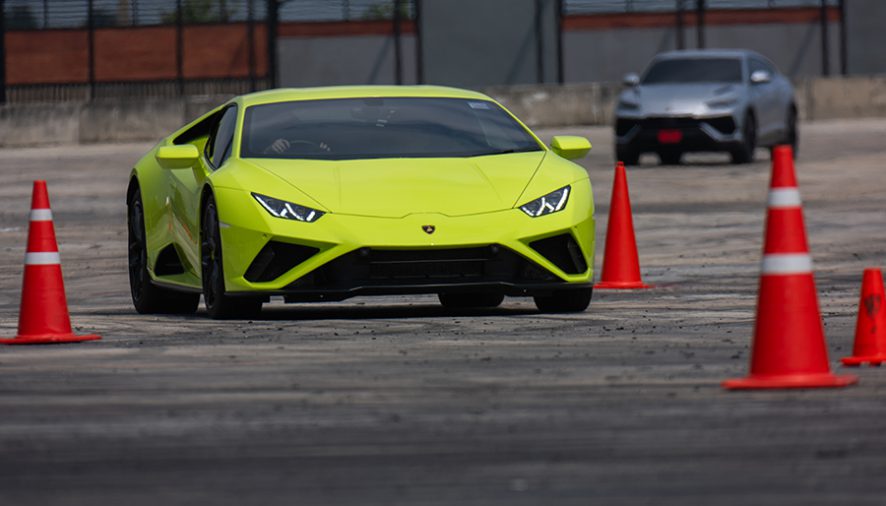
<point>133,54</point>
<point>604,48</point>
<point>327,60</point>
<point>866,34</point>
<point>473,44</point>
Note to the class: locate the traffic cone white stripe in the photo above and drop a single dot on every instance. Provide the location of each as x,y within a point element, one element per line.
<point>41,215</point>
<point>784,197</point>
<point>784,263</point>
<point>42,258</point>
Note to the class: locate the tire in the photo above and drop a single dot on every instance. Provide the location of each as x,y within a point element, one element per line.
<point>745,152</point>
<point>627,156</point>
<point>670,157</point>
<point>219,306</point>
<point>147,297</point>
<point>565,301</point>
<point>470,300</point>
<point>792,138</point>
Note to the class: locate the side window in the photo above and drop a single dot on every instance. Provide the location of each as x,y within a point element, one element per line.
<point>221,141</point>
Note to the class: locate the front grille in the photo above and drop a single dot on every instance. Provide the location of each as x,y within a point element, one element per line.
<point>724,125</point>
<point>277,258</point>
<point>658,123</point>
<point>369,267</point>
<point>562,251</point>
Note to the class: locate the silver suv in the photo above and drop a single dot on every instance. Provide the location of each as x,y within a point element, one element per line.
<point>704,100</point>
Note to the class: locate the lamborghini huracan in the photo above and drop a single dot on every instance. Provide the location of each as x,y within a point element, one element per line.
<point>328,193</point>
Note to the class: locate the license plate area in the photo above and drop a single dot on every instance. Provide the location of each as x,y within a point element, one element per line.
<point>669,136</point>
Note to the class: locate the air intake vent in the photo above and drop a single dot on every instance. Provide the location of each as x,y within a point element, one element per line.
<point>562,251</point>
<point>277,258</point>
<point>168,262</point>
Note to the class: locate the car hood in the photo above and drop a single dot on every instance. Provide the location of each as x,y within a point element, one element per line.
<point>676,99</point>
<point>395,188</point>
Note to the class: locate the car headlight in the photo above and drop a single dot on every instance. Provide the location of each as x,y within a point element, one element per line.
<point>722,104</point>
<point>550,203</point>
<point>627,105</point>
<point>288,210</point>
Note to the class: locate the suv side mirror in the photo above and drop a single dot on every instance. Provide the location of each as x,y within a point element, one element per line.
<point>630,80</point>
<point>570,146</point>
<point>182,156</point>
<point>760,77</point>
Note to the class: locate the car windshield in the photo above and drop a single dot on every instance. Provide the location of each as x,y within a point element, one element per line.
<point>694,70</point>
<point>357,128</point>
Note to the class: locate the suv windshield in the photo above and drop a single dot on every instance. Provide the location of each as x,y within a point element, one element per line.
<point>694,70</point>
<point>355,128</point>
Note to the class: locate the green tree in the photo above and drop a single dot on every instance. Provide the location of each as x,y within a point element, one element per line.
<point>202,11</point>
<point>20,17</point>
<point>385,10</point>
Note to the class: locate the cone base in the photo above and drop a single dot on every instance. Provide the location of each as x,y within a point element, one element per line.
<point>873,360</point>
<point>622,285</point>
<point>50,339</point>
<point>826,380</point>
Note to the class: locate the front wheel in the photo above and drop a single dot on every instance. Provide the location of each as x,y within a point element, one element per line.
<point>219,305</point>
<point>745,152</point>
<point>147,297</point>
<point>565,301</point>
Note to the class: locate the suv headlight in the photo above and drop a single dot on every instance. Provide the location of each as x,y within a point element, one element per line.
<point>550,203</point>
<point>288,210</point>
<point>723,103</point>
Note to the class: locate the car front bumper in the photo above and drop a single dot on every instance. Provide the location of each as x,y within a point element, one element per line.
<point>340,256</point>
<point>704,133</point>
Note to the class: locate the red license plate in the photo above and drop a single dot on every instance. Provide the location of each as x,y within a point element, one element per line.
<point>669,136</point>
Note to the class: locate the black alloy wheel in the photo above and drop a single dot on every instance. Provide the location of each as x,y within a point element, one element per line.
<point>470,300</point>
<point>792,137</point>
<point>745,152</point>
<point>146,296</point>
<point>219,306</point>
<point>565,301</point>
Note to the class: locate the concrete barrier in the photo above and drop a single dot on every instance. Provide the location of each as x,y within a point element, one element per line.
<point>543,105</point>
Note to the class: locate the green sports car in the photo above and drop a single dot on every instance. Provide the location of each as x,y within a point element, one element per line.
<point>328,193</point>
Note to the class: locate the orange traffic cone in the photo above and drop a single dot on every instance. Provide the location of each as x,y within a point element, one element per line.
<point>43,317</point>
<point>870,328</point>
<point>789,349</point>
<point>621,263</point>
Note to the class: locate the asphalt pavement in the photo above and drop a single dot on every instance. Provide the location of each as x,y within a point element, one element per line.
<point>396,401</point>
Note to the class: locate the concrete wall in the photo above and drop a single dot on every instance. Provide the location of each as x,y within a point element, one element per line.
<point>537,105</point>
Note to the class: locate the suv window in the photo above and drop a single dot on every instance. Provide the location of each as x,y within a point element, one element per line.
<point>221,141</point>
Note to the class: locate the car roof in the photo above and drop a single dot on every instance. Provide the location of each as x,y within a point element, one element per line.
<point>333,92</point>
<point>706,53</point>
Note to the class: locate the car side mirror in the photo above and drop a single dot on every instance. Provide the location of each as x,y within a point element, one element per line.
<point>760,77</point>
<point>630,80</point>
<point>570,147</point>
<point>183,156</point>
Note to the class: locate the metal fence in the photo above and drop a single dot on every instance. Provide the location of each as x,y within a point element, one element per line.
<point>46,14</point>
<point>619,6</point>
<point>257,23</point>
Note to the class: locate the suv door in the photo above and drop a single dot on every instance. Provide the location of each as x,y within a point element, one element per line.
<point>764,96</point>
